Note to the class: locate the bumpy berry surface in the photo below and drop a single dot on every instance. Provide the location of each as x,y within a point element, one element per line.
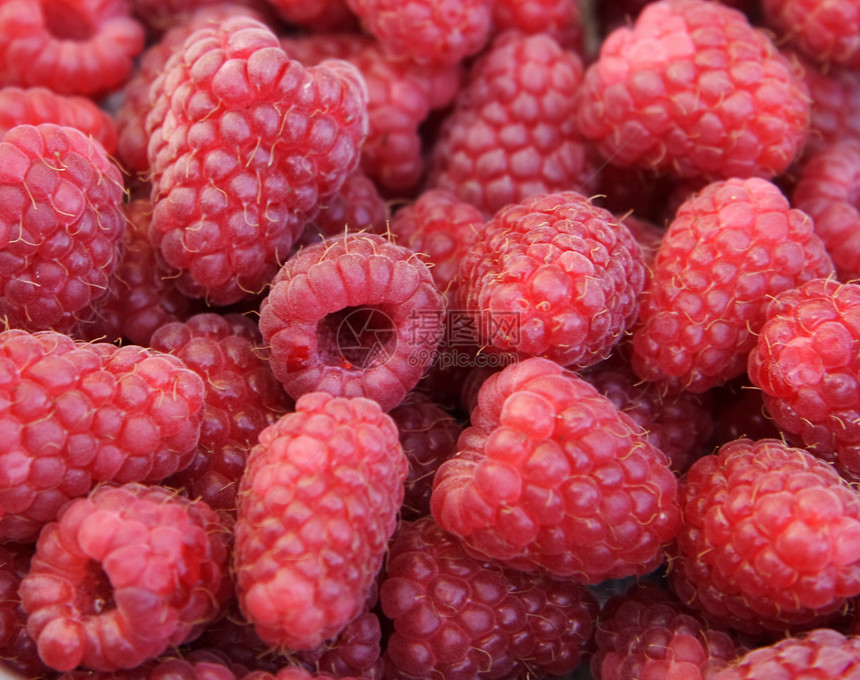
<point>512,133</point>
<point>645,632</point>
<point>560,19</point>
<point>85,47</point>
<point>692,89</point>
<point>458,617</point>
<point>825,30</point>
<point>806,364</point>
<point>123,575</point>
<point>242,397</point>
<point>770,538</point>
<point>357,206</point>
<point>827,191</point>
<point>731,247</point>
<point>190,667</point>
<point>835,93</point>
<point>61,226</point>
<point>551,475</point>
<point>245,143</point>
<point>76,413</point>
<point>352,316</point>
<point>553,276</point>
<point>328,477</point>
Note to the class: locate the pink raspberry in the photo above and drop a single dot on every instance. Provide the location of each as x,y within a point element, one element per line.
<point>560,19</point>
<point>242,398</point>
<point>645,632</point>
<point>83,47</point>
<point>770,539</point>
<point>835,93</point>
<point>730,248</point>
<point>826,191</point>
<point>692,89</point>
<point>806,363</point>
<point>553,276</point>
<point>77,413</point>
<point>456,616</point>
<point>245,144</point>
<point>824,30</point>
<point>551,475</point>
<point>61,226</point>
<point>512,132</point>
<point>328,477</point>
<point>427,31</point>
<point>123,575</point>
<point>353,316</point>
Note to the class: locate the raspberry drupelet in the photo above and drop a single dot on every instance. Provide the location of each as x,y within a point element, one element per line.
<point>317,505</point>
<point>456,617</point>
<point>551,476</point>
<point>824,30</point>
<point>123,575</point>
<point>354,316</point>
<point>560,19</point>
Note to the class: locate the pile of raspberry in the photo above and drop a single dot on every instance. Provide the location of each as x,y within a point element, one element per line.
<point>429,339</point>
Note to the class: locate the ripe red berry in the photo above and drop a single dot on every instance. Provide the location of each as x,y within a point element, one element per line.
<point>825,31</point>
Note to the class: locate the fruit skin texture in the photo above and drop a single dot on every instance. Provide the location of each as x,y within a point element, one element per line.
<point>316,507</point>
<point>552,476</point>
<point>456,617</point>
<point>693,90</point>
<point>123,575</point>
<point>223,221</point>
<point>824,30</point>
<point>61,226</point>
<point>352,316</point>
<point>730,248</point>
<point>554,276</point>
<point>77,413</point>
<point>806,364</point>
<point>770,538</point>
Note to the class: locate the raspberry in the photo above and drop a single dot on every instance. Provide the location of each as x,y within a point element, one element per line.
<point>646,632</point>
<point>826,653</point>
<point>826,31</point>
<point>769,540</point>
<point>806,362</point>
<point>729,249</point>
<point>123,575</point>
<point>165,15</point>
<point>357,206</point>
<point>560,19</point>
<point>317,16</point>
<point>224,219</point>
<point>343,317</point>
<point>512,132</point>
<point>85,47</point>
<point>456,616</point>
<point>61,226</point>
<point>426,31</point>
<point>835,94</point>
<point>242,397</point>
<point>827,191</point>
<point>553,276</point>
<point>693,90</point>
<point>76,413</point>
<point>328,477</point>
<point>551,475</point>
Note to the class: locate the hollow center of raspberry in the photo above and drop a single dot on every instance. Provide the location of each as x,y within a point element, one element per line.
<point>357,337</point>
<point>64,20</point>
<point>95,592</point>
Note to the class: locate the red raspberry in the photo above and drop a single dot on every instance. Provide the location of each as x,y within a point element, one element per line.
<point>835,94</point>
<point>512,132</point>
<point>357,206</point>
<point>317,16</point>
<point>245,144</point>
<point>353,316</point>
<point>61,226</point>
<point>692,89</point>
<point>242,397</point>
<point>190,667</point>
<point>553,276</point>
<point>824,30</point>
<point>123,575</point>
<point>560,19</point>
<point>441,229</point>
<point>75,413</point>
<point>165,15</point>
<point>456,616</point>
<point>426,31</point>
<point>646,632</point>
<point>730,248</point>
<point>551,475</point>
<point>827,191</point>
<point>806,362</point>
<point>293,673</point>
<point>316,507</point>
<point>824,654</point>
<point>770,539</point>
<point>82,47</point>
